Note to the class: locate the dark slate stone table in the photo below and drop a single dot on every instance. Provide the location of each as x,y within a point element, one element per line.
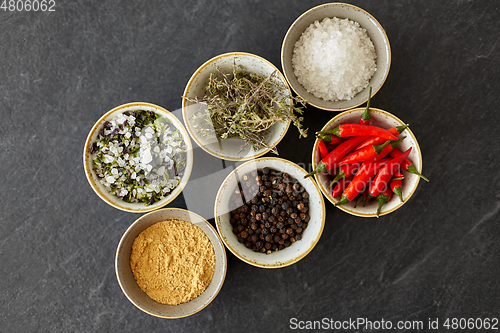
<point>434,259</point>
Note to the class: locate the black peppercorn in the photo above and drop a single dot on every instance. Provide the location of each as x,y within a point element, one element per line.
<point>275,215</point>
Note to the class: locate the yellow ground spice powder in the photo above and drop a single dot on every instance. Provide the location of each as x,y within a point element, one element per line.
<point>172,261</point>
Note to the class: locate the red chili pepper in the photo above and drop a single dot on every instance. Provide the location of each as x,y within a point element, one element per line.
<point>365,173</point>
<point>365,117</point>
<point>387,149</point>
<point>396,185</point>
<point>363,196</point>
<point>382,199</point>
<point>330,161</point>
<point>345,171</point>
<point>322,149</point>
<point>381,180</point>
<point>377,140</point>
<point>329,139</point>
<point>367,153</point>
<point>407,165</point>
<point>347,130</point>
<point>331,146</point>
<point>340,186</point>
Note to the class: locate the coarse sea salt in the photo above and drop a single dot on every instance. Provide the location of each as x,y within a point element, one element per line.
<point>334,59</point>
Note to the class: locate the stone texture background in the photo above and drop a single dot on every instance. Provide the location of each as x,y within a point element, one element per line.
<point>436,257</point>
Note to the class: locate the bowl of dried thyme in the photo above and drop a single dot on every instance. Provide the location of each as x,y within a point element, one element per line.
<point>170,263</point>
<point>138,157</point>
<point>238,106</point>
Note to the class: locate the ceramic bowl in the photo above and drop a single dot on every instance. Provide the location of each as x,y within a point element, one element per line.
<point>129,285</point>
<point>288,255</point>
<point>385,120</point>
<point>229,149</point>
<point>341,10</point>
<point>102,191</point>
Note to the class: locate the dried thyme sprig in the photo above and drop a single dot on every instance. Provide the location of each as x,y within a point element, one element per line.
<point>245,105</point>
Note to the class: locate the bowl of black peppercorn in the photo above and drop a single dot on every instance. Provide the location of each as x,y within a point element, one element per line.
<point>269,215</point>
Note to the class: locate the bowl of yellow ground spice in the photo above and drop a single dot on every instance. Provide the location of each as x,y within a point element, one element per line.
<point>170,263</point>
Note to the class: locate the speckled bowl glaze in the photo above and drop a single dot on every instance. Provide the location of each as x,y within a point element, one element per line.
<point>129,285</point>
<point>230,149</point>
<point>386,120</point>
<point>341,10</point>
<point>102,191</point>
<point>289,255</point>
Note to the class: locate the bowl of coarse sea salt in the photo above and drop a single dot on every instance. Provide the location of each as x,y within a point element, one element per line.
<point>333,53</point>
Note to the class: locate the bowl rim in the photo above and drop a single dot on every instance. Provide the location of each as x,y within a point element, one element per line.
<point>88,170</point>
<point>184,105</point>
<point>122,239</point>
<point>409,133</point>
<point>386,38</point>
<point>291,261</point>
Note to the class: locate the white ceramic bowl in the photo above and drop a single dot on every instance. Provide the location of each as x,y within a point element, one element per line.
<point>129,285</point>
<point>289,255</point>
<point>341,10</point>
<point>102,191</point>
<point>230,149</point>
<point>385,120</point>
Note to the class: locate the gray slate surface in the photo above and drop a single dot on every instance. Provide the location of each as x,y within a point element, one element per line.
<point>435,258</point>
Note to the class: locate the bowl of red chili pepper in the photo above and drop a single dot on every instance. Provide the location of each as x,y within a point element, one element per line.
<point>367,162</point>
